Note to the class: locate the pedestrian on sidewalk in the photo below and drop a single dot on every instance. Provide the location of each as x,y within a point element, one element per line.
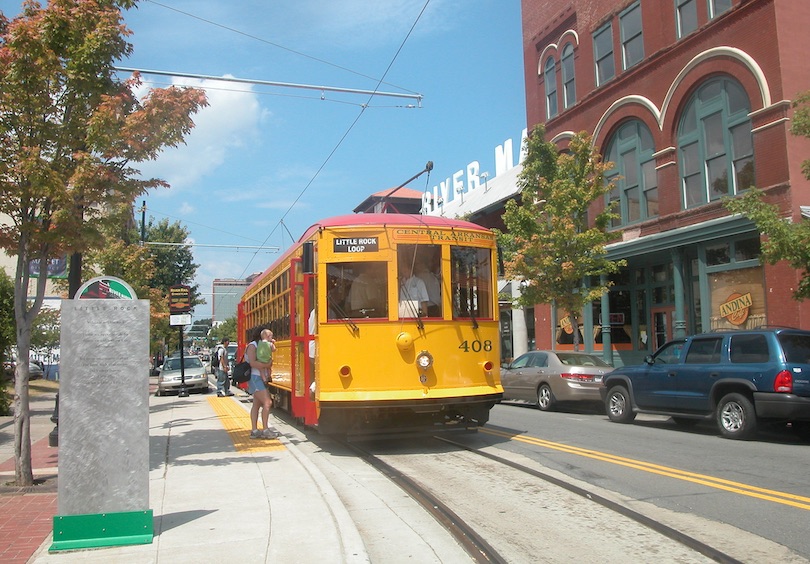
<point>264,352</point>
<point>221,369</point>
<point>258,387</point>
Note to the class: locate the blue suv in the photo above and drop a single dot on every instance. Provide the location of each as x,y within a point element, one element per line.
<point>736,377</point>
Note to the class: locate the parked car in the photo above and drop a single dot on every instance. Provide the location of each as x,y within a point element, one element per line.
<point>170,380</point>
<point>737,378</point>
<point>551,377</point>
<point>35,370</point>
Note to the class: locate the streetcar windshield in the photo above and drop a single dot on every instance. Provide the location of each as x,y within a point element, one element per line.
<point>419,275</point>
<point>357,290</point>
<point>471,282</point>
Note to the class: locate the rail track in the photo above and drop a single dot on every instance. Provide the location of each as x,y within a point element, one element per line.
<point>499,510</point>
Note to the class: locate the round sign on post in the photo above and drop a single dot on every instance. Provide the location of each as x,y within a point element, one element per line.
<point>105,288</point>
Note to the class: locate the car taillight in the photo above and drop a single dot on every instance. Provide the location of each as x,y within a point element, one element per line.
<point>577,377</point>
<point>783,382</point>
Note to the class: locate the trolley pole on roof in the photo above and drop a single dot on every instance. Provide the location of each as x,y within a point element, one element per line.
<point>428,168</point>
<point>320,88</point>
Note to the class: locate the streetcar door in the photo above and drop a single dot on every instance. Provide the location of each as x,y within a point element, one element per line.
<point>303,321</point>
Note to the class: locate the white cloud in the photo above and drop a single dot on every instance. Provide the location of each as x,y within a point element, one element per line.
<point>231,121</point>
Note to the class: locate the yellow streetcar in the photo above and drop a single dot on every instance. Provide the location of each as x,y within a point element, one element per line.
<point>383,323</point>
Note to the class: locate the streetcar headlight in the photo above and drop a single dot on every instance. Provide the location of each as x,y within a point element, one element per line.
<point>424,360</point>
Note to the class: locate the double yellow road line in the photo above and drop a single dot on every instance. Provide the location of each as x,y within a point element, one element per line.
<point>798,501</point>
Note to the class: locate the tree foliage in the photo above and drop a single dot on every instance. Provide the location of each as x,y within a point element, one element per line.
<point>801,124</point>
<point>70,131</point>
<point>783,239</point>
<point>225,329</point>
<point>45,331</point>
<point>7,331</point>
<point>6,335</point>
<point>550,245</point>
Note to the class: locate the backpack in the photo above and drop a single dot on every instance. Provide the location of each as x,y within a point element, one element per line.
<point>215,359</point>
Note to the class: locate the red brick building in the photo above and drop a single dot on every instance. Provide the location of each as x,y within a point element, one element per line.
<point>691,99</point>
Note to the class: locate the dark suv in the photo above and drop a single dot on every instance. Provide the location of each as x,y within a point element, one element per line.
<point>737,377</point>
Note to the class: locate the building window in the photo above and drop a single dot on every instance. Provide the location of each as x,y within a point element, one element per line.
<point>603,54</point>
<point>716,148</point>
<point>550,79</point>
<point>569,84</point>
<point>717,7</point>
<point>631,151</point>
<point>686,11</point>
<point>632,38</point>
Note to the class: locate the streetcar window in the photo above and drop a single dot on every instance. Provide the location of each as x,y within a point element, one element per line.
<point>471,282</point>
<point>357,290</point>
<point>419,273</point>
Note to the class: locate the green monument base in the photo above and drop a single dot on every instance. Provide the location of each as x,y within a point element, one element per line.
<point>72,532</point>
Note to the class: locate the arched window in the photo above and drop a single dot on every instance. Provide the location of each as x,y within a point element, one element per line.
<point>715,144</point>
<point>569,84</point>
<point>550,79</point>
<point>631,150</point>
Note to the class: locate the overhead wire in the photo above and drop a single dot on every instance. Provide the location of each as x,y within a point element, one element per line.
<point>346,133</point>
<point>278,46</point>
<point>379,82</point>
<point>319,98</point>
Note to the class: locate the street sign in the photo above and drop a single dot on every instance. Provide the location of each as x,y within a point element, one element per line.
<point>179,299</point>
<point>180,319</point>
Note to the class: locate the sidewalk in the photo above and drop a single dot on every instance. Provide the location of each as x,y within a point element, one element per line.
<point>219,496</point>
<point>26,514</point>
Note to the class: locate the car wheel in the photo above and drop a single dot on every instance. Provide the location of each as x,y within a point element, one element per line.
<point>158,392</point>
<point>545,398</point>
<point>618,405</point>
<point>736,417</point>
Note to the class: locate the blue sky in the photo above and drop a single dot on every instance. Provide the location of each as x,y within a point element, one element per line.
<point>261,155</point>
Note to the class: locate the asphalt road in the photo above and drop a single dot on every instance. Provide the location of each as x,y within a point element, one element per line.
<point>760,486</point>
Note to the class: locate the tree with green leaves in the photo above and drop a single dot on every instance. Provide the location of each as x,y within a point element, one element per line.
<point>6,334</point>
<point>70,132</point>
<point>783,240</point>
<point>45,331</point>
<point>550,246</point>
<point>225,329</point>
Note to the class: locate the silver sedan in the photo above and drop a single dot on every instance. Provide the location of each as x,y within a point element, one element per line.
<point>550,377</point>
<point>170,378</point>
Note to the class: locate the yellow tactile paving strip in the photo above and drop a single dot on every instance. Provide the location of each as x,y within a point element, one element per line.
<point>237,422</point>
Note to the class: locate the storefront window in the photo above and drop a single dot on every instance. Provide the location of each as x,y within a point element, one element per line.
<point>747,249</point>
<point>642,320</point>
<point>620,319</point>
<point>737,298</point>
<point>663,288</point>
<point>717,254</point>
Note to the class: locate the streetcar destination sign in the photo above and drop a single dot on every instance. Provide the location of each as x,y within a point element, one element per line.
<point>356,245</point>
